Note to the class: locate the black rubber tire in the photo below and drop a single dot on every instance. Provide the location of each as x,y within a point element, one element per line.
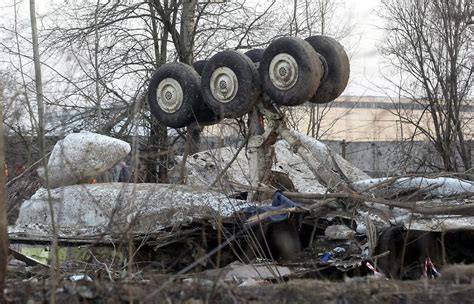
<point>199,65</point>
<point>309,71</point>
<point>248,88</point>
<point>204,115</point>
<point>338,68</point>
<point>255,55</point>
<point>189,81</point>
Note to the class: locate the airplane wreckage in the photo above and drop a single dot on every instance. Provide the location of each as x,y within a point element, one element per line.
<point>281,199</point>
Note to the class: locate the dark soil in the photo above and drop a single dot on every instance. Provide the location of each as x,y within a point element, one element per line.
<point>456,286</point>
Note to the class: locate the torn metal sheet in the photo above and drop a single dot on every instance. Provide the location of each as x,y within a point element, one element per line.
<point>438,223</point>
<point>114,208</point>
<point>83,156</point>
<point>435,187</point>
<point>27,260</point>
<point>204,167</point>
<point>415,221</point>
<point>158,216</point>
<point>264,271</point>
<point>323,155</point>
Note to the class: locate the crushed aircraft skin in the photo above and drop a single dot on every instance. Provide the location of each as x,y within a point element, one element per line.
<point>435,223</point>
<point>433,187</point>
<point>204,167</point>
<point>171,215</point>
<point>258,271</point>
<point>390,217</point>
<point>324,153</point>
<point>440,223</point>
<point>111,207</point>
<point>82,156</point>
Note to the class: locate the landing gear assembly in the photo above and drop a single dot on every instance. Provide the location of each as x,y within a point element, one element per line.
<point>289,72</point>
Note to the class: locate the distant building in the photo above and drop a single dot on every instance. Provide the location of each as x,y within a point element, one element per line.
<point>355,118</point>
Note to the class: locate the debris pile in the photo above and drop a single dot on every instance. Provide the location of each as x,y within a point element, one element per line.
<point>335,223</point>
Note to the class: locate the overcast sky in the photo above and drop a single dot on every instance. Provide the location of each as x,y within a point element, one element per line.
<point>366,61</point>
<point>362,42</point>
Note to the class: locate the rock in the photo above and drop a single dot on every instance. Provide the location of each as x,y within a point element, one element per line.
<point>113,207</point>
<point>80,157</point>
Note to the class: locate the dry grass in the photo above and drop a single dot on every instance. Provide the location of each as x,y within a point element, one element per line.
<point>361,290</point>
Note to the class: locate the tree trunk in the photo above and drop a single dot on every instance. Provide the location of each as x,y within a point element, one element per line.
<point>186,56</point>
<point>3,206</point>
<point>157,156</point>
<point>41,131</point>
<point>435,36</point>
<point>157,153</point>
<point>187,31</point>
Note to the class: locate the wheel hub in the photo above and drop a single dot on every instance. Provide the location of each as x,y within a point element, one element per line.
<point>224,84</point>
<point>169,95</point>
<point>283,71</point>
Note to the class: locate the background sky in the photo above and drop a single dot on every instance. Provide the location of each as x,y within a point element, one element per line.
<point>366,61</point>
<point>364,38</point>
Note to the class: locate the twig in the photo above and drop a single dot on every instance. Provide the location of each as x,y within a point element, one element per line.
<point>105,266</point>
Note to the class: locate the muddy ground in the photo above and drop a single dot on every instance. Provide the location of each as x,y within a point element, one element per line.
<point>455,286</point>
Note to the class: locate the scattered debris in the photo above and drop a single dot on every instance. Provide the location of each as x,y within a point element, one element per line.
<point>376,274</point>
<point>79,277</point>
<point>279,210</point>
<point>341,224</point>
<point>339,232</point>
<point>429,271</point>
<point>240,273</point>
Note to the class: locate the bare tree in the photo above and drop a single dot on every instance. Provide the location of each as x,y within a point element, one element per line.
<point>428,43</point>
<point>126,51</point>
<point>158,139</point>
<point>40,128</point>
<point>3,204</point>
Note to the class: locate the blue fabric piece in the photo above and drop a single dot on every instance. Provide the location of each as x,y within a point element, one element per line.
<point>325,257</point>
<point>279,202</point>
